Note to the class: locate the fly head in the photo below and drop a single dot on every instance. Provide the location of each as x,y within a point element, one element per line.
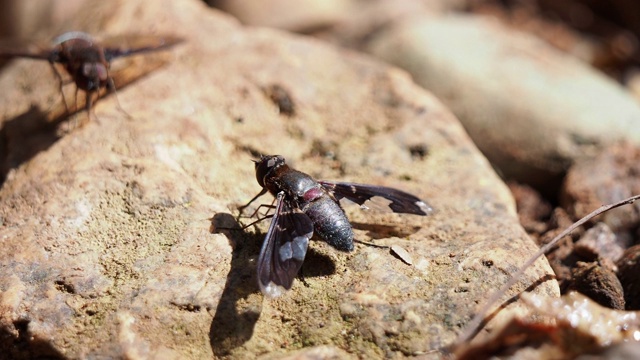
<point>266,165</point>
<point>92,76</point>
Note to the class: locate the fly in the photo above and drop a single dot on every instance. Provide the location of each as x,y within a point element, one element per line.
<point>86,60</point>
<point>304,206</point>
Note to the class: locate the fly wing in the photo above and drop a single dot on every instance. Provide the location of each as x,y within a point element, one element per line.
<point>10,48</point>
<point>399,201</point>
<point>283,249</point>
<point>126,45</point>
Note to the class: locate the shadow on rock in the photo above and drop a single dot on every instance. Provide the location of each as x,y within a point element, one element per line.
<point>241,302</point>
<point>316,264</point>
<point>18,343</point>
<point>381,231</point>
<point>24,136</point>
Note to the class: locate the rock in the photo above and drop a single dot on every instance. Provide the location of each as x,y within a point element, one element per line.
<point>600,243</point>
<point>21,19</point>
<point>286,14</point>
<point>628,271</point>
<point>346,21</point>
<point>610,177</point>
<point>588,263</point>
<point>567,328</point>
<point>319,352</point>
<point>108,247</point>
<point>533,211</point>
<point>357,28</point>
<point>562,258</point>
<point>531,110</point>
<point>599,283</point>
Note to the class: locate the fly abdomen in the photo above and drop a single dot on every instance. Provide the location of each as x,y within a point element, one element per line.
<point>330,222</point>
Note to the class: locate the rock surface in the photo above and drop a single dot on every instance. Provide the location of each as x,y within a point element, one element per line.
<point>572,327</point>
<point>609,177</point>
<point>107,228</point>
<point>286,14</point>
<point>345,18</point>
<point>532,110</point>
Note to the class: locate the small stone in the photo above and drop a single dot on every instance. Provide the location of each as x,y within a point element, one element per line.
<point>599,284</point>
<point>402,254</point>
<point>629,275</point>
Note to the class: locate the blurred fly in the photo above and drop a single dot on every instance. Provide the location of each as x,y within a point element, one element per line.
<point>86,60</point>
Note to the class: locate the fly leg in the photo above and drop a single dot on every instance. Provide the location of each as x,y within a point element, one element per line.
<point>241,208</point>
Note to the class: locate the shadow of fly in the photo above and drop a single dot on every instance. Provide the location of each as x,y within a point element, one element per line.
<point>304,206</point>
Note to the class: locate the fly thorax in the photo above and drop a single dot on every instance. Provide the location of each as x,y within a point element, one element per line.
<point>299,184</point>
<point>311,195</point>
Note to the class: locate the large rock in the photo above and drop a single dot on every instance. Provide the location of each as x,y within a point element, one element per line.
<point>286,14</point>
<point>107,241</point>
<point>346,18</point>
<point>532,110</point>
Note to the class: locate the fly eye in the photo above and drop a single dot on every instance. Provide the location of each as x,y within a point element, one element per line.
<point>94,71</point>
<point>262,168</point>
<point>265,165</point>
<point>88,69</point>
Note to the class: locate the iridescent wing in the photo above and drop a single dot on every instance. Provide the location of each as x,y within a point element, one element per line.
<point>283,249</point>
<point>131,44</point>
<point>10,48</point>
<point>114,46</point>
<point>398,200</point>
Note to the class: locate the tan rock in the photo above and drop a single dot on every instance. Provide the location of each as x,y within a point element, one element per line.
<point>287,14</point>
<point>107,247</point>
